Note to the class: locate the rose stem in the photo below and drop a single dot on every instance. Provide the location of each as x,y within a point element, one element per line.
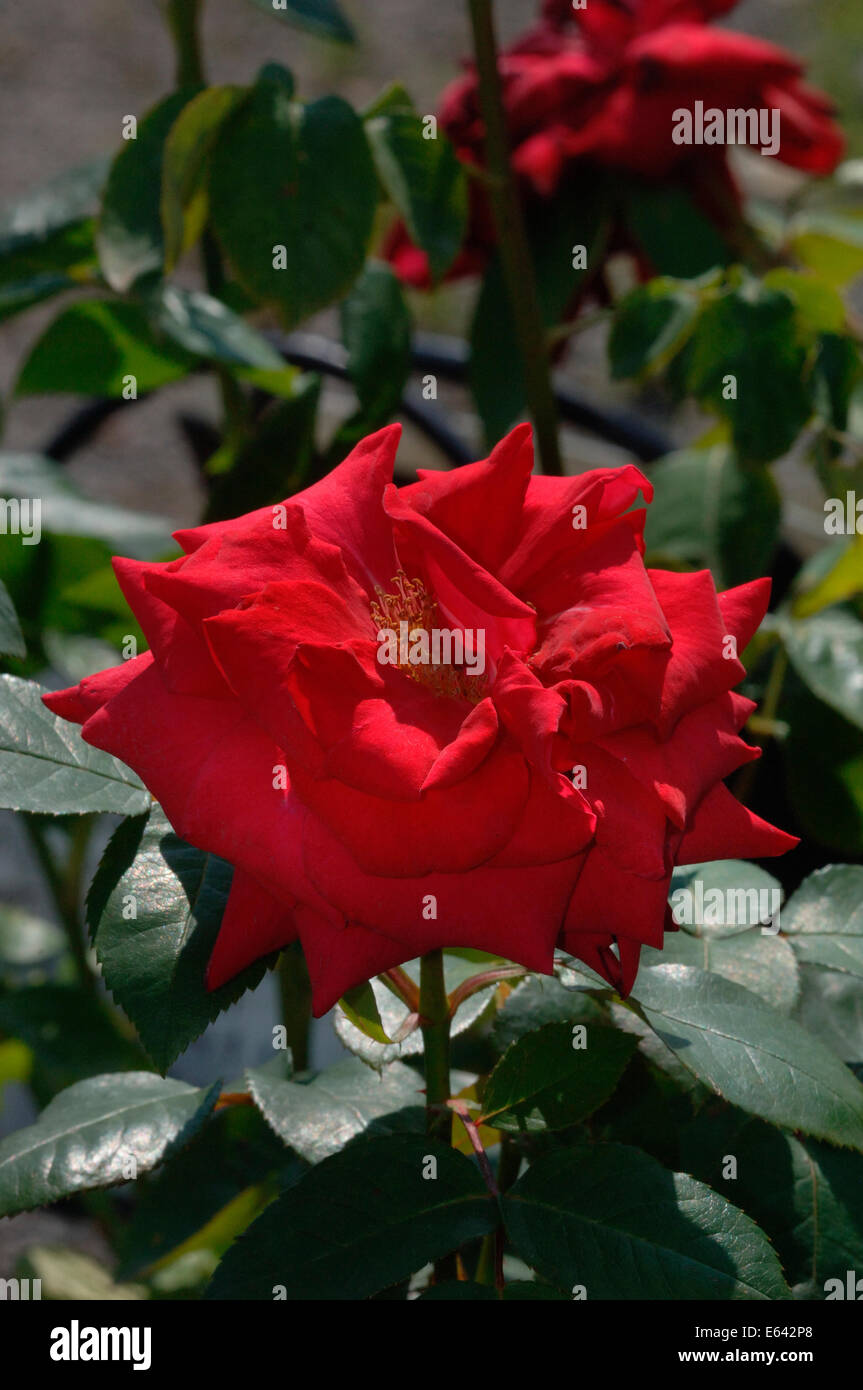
<point>183,17</point>
<point>516,259</point>
<point>296,996</point>
<point>65,887</point>
<point>435,1024</point>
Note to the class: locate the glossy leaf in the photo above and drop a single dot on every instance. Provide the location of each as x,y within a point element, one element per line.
<point>201,324</point>
<point>318,1117</point>
<point>46,766</point>
<point>90,1134</point>
<point>751,1055</point>
<point>155,909</point>
<point>824,919</point>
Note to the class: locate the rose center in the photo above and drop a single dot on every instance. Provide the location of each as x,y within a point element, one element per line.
<point>447,661</point>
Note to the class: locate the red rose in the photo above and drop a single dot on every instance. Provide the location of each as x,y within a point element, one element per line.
<point>436,804</point>
<point>602,84</point>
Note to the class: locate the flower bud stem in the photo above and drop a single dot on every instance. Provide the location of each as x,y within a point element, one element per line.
<point>515,254</point>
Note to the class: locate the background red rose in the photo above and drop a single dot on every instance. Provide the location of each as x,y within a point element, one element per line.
<point>600,86</point>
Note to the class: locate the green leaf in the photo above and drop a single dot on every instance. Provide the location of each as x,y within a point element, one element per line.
<point>318,1117</point>
<point>830,1006</point>
<point>321,17</point>
<point>360,1006</point>
<point>615,1221</point>
<point>11,636</point>
<point>65,259</point>
<point>359,1222</point>
<point>826,651</point>
<point>545,1074</point>
<point>737,948</point>
<point>676,236</point>
<point>88,1135</point>
<point>824,919</point>
<point>155,911</point>
<point>763,964</point>
<point>376,329</point>
<point>201,324</point>
<point>32,220</point>
<point>650,327</point>
<point>697,912</point>
<point>751,1055</point>
<point>426,182</point>
<point>129,240</point>
<point>46,766</point>
<point>66,511</point>
<point>185,161</point>
<point>819,306</point>
<point>751,334</point>
<point>298,177</point>
<point>93,347</point>
<point>807,1196</point>
<point>537,1001</point>
<point>711,512</point>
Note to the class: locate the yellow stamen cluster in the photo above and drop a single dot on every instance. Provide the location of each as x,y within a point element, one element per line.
<point>412,603</point>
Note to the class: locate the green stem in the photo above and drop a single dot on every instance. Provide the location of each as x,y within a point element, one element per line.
<point>296,996</point>
<point>516,259</point>
<point>435,1024</point>
<point>183,18</point>
<point>65,886</point>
